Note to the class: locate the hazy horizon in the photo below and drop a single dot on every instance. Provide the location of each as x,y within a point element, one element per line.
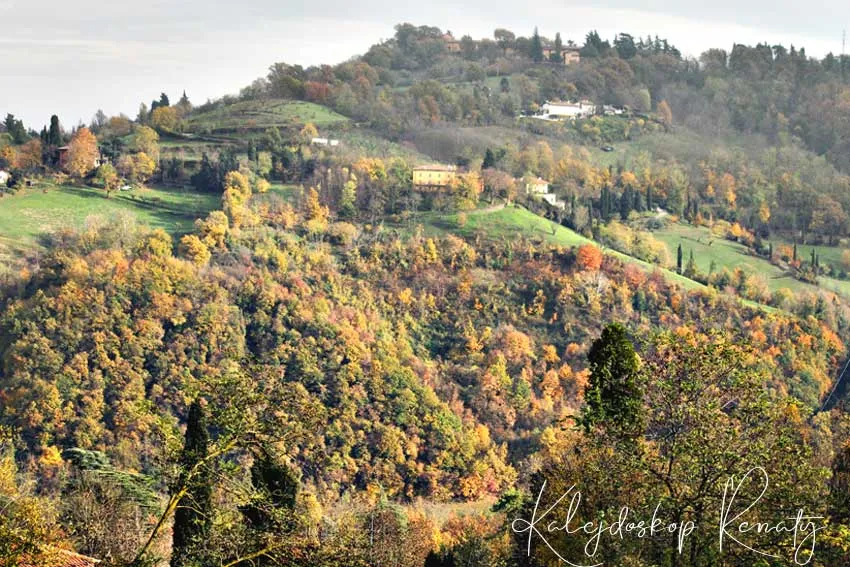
<point>115,57</point>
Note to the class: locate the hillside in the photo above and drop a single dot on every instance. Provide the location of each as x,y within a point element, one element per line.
<point>225,340</point>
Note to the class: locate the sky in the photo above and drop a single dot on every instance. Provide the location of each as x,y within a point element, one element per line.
<point>73,58</point>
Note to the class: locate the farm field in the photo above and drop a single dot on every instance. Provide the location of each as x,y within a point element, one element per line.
<point>261,114</point>
<point>731,255</point>
<point>32,212</point>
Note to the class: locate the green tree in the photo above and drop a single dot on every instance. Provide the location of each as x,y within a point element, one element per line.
<point>614,390</point>
<point>193,516</point>
<point>107,178</point>
<point>54,135</point>
<point>557,50</point>
<point>536,47</point>
<point>679,259</point>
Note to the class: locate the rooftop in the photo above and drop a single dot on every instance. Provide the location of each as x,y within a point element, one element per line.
<point>435,167</point>
<point>63,558</point>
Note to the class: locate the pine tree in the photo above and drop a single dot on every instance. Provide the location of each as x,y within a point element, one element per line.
<point>648,199</point>
<point>614,393</point>
<point>193,517</point>
<point>794,256</point>
<point>536,47</point>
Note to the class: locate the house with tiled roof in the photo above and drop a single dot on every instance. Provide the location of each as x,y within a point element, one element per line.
<point>60,558</point>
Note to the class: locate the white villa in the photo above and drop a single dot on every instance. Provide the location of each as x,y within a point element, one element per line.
<point>4,178</point>
<point>324,142</point>
<point>557,109</point>
<point>540,188</point>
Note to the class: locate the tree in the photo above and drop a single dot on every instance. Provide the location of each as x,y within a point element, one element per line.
<point>165,118</point>
<point>536,47</point>
<point>29,156</point>
<point>557,51</point>
<point>665,114</point>
<point>504,39</point>
<point>613,395</point>
<point>237,192</point>
<point>679,259</point>
<point>348,199</point>
<point>16,129</point>
<point>589,257</point>
<point>276,490</point>
<point>54,135</point>
<point>82,153</point>
<point>691,268</point>
<point>625,46</point>
<point>145,139</point>
<point>193,516</point>
<point>107,177</point>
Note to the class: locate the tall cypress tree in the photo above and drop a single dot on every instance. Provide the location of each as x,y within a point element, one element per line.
<point>194,515</point>
<point>54,135</point>
<point>679,259</point>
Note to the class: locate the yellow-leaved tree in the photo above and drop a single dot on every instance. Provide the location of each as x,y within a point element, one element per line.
<point>82,153</point>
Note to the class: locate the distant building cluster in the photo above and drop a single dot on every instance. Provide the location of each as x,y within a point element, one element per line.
<point>324,142</point>
<point>439,177</point>
<point>569,54</point>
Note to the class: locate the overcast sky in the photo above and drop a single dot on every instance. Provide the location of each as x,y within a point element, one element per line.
<point>71,58</point>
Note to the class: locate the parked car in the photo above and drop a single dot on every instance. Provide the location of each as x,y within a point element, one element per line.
<point>607,148</point>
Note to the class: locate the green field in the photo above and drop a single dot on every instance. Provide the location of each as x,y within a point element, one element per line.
<point>32,212</point>
<point>261,114</point>
<point>732,255</point>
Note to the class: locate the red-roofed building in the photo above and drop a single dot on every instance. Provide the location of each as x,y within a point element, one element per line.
<point>61,558</point>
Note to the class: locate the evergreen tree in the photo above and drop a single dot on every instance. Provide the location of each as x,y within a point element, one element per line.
<point>794,256</point>
<point>536,47</point>
<point>16,129</point>
<point>679,259</point>
<point>648,199</point>
<point>54,135</point>
<point>557,52</point>
<point>691,268</point>
<point>193,517</point>
<point>276,487</point>
<point>839,486</point>
<point>489,159</point>
<point>626,200</point>
<point>613,395</point>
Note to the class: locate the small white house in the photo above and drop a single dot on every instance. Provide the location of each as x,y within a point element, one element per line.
<point>581,109</point>
<point>5,176</point>
<point>324,142</point>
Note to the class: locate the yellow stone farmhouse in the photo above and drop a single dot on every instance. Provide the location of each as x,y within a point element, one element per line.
<point>434,176</point>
